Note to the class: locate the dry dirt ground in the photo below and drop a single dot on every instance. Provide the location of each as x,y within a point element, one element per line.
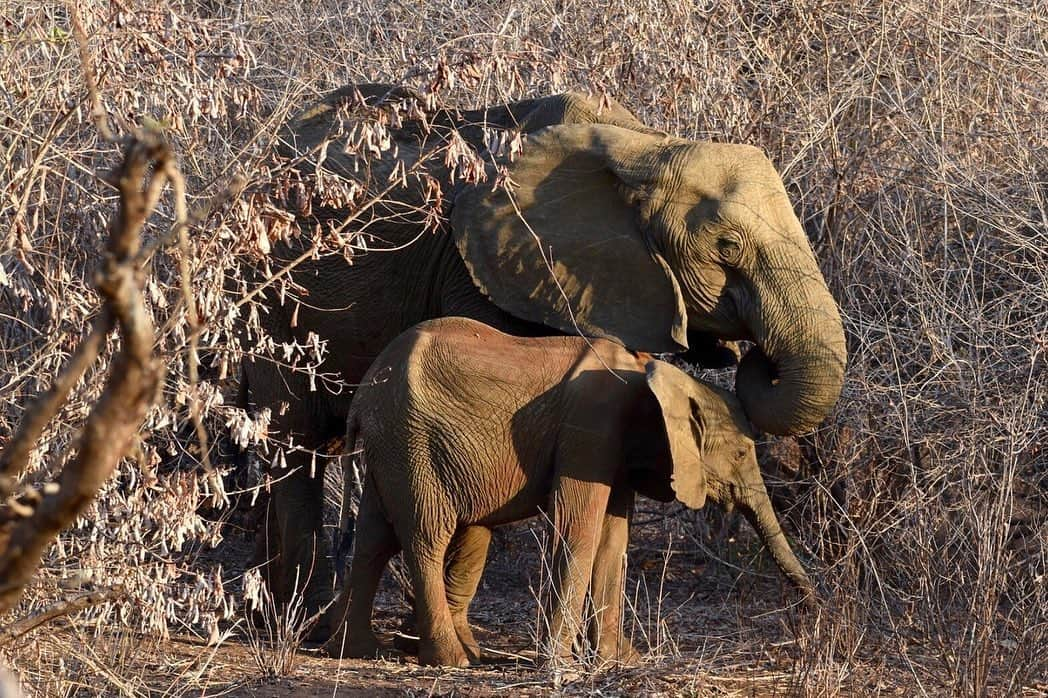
<point>710,623</point>
<point>712,619</point>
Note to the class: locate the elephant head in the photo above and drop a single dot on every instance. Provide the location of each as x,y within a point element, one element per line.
<point>645,238</point>
<point>693,442</point>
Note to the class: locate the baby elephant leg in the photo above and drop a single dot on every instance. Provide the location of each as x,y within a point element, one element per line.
<point>375,543</point>
<point>427,542</point>
<point>605,629</point>
<point>466,556</point>
<point>577,509</point>
<point>463,567</point>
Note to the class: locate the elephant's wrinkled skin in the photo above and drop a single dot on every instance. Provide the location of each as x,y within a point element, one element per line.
<point>653,241</point>
<point>465,428</point>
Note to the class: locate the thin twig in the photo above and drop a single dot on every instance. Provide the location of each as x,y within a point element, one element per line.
<point>98,113</point>
<point>62,608</point>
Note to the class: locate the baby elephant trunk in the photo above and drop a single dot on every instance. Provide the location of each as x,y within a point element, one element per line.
<point>762,517</point>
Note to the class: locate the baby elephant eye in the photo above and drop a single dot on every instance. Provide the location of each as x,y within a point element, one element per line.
<point>729,249</point>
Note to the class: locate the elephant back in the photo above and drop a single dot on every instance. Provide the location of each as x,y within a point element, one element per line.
<point>358,151</point>
<point>387,142</point>
<point>531,115</point>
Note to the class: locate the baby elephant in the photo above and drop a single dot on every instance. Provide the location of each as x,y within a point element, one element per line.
<point>465,428</point>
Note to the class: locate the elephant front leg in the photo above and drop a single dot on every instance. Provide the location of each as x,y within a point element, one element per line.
<point>295,555</point>
<point>465,564</point>
<point>577,508</point>
<point>290,548</point>
<point>605,628</point>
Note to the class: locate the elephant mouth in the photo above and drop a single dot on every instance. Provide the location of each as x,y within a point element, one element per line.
<point>773,375</point>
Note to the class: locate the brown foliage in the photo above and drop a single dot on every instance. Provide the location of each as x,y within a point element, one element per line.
<point>912,137</point>
<point>129,391</point>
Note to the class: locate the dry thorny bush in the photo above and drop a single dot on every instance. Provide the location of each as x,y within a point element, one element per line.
<point>911,135</point>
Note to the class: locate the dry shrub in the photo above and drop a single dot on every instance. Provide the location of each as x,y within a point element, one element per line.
<point>911,135</point>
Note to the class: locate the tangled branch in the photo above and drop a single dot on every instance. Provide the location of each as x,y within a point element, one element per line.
<point>131,388</point>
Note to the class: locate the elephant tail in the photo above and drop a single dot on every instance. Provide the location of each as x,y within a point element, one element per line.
<point>241,453</point>
<point>352,484</point>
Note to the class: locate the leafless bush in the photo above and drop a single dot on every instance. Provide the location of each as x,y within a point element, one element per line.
<point>911,135</point>
<point>276,636</point>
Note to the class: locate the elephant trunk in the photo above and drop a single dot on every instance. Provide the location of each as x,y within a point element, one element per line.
<point>791,380</point>
<point>762,517</point>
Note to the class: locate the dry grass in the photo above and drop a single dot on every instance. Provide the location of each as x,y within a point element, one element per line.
<point>913,137</point>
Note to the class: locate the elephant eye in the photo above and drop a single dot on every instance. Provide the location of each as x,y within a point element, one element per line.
<point>730,250</point>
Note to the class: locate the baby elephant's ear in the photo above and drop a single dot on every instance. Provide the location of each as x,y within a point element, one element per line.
<point>671,387</point>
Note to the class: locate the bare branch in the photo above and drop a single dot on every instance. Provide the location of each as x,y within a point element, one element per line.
<point>62,608</point>
<point>15,458</point>
<point>132,385</point>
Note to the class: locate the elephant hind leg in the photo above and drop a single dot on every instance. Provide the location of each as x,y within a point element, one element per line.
<point>291,548</point>
<point>427,542</point>
<point>466,556</point>
<point>375,543</point>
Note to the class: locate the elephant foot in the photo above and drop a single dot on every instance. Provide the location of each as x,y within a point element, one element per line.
<point>567,665</point>
<point>621,652</point>
<point>333,621</point>
<point>266,621</point>
<point>556,656</point>
<point>297,604</point>
<point>320,632</point>
<point>357,646</point>
<point>468,642</point>
<point>464,633</point>
<point>443,650</point>
<point>325,623</point>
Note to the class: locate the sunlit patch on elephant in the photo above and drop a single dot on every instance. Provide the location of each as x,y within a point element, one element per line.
<point>465,428</point>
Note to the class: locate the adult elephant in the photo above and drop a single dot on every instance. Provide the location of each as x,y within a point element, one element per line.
<point>605,228</point>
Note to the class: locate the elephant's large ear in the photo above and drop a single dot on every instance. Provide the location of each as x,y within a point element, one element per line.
<point>671,386</point>
<point>563,246</point>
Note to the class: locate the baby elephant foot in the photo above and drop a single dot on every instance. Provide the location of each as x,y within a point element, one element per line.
<point>559,656</point>
<point>444,650</point>
<point>619,653</point>
<point>472,652</point>
<point>469,643</point>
